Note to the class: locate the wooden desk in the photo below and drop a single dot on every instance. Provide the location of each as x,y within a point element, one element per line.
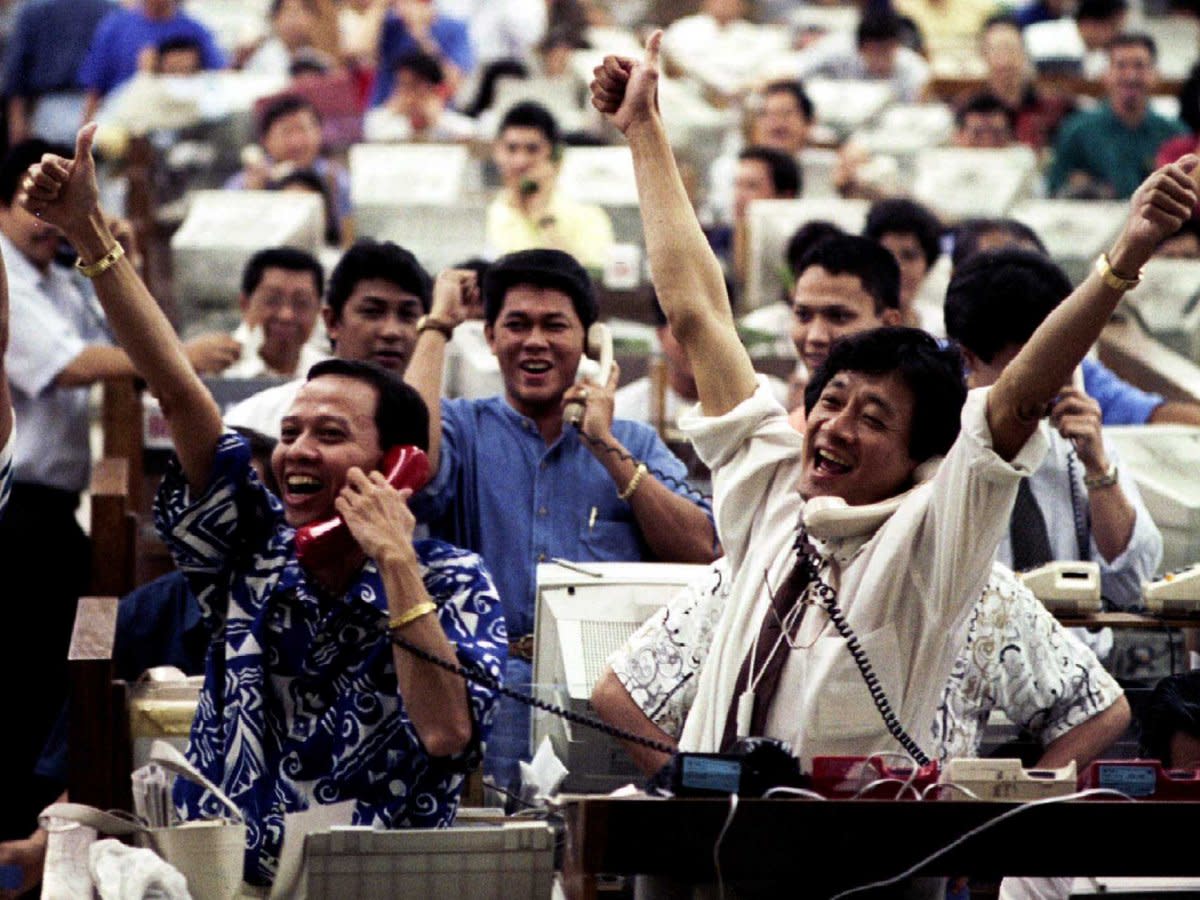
<point>1144,621</point>
<point>837,844</point>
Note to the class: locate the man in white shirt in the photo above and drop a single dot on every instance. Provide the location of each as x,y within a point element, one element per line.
<point>902,569</point>
<point>873,53</point>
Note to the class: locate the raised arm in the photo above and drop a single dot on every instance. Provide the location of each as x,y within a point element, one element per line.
<point>6,413</point>
<point>63,192</point>
<point>686,274</point>
<point>1024,390</point>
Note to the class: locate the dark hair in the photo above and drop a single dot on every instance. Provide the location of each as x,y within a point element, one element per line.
<point>180,42</point>
<point>281,107</point>
<point>785,174</point>
<point>1100,9</point>
<point>542,269</point>
<point>984,103</point>
<point>424,66</point>
<point>18,160</point>
<point>288,258</point>
<point>806,237</point>
<point>796,89</point>
<point>998,298</point>
<point>932,373</point>
<point>309,61</point>
<point>368,258</point>
<point>528,114</point>
<point>493,72</point>
<point>970,231</point>
<point>261,448</point>
<point>1174,706</point>
<point>899,216</point>
<point>1135,39</point>
<point>1006,19</point>
<point>878,25</point>
<point>849,254</point>
<point>309,178</point>
<point>401,416</point>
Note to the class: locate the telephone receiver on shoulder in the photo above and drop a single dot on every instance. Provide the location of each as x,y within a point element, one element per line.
<point>596,364</point>
<point>404,466</point>
<point>833,517</point>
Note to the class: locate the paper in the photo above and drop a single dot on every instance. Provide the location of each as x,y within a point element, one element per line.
<point>296,826</point>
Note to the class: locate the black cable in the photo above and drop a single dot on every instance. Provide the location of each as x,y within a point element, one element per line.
<point>668,480</point>
<point>494,684</point>
<point>808,557</point>
<point>1079,510</point>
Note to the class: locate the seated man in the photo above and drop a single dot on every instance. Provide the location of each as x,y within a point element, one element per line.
<point>1077,505</point>
<point>283,722</point>
<point>416,108</point>
<point>1169,724</point>
<point>289,132</point>
<point>6,410</point>
<point>377,294</point>
<point>519,484</point>
<point>874,53</point>
<point>412,26</point>
<point>912,234</point>
<point>280,299</point>
<point>884,403</point>
<point>983,122</point>
<point>530,210</point>
<point>762,173</point>
<point>294,25</point>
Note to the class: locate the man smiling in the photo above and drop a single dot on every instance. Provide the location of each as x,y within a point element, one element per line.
<point>901,564</point>
<point>305,700</point>
<point>518,484</point>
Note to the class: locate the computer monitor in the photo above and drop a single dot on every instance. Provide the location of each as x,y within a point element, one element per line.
<point>384,177</point>
<point>1166,304</point>
<point>223,229</point>
<point>965,182</point>
<point>603,176</point>
<point>562,96</point>
<point>1075,232</point>
<point>905,129</point>
<point>585,612</point>
<point>1163,460</point>
<point>771,224</point>
<point>846,104</point>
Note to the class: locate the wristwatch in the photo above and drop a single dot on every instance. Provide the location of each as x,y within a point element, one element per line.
<point>433,323</point>
<point>1108,479</point>
<point>1117,282</point>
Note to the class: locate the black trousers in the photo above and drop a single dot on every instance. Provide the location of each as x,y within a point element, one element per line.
<point>45,562</point>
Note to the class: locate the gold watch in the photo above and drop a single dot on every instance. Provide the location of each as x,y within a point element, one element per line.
<point>433,323</point>
<point>1117,282</point>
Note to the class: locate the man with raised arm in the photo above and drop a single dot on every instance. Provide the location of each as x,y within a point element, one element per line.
<point>901,570</point>
<point>6,410</point>
<point>306,700</point>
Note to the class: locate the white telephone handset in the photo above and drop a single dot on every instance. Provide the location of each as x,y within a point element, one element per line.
<point>833,517</point>
<point>596,364</point>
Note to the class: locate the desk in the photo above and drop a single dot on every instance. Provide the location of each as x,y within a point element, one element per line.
<point>836,844</point>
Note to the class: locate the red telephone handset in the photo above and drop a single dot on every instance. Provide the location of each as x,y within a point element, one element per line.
<point>404,466</point>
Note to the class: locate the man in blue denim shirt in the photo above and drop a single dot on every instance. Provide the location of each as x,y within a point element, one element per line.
<point>518,485</point>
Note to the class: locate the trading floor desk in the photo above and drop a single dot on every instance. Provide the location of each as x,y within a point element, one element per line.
<point>822,847</point>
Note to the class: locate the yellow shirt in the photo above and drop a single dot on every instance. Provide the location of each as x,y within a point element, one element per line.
<point>580,229</point>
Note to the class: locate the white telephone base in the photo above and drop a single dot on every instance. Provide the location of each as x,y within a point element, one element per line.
<point>1175,592</point>
<point>1005,779</point>
<point>1066,586</point>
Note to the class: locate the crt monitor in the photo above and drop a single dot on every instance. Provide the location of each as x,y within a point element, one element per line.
<point>585,612</point>
<point>966,182</point>
<point>1075,232</point>
<point>213,244</point>
<point>1167,304</point>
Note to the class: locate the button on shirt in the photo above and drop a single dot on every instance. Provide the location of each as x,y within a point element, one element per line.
<point>495,477</point>
<point>52,317</point>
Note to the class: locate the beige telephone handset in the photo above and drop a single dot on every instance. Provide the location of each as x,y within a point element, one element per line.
<point>833,517</point>
<point>596,364</point>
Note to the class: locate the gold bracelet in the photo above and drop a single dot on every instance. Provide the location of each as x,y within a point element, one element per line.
<point>433,323</point>
<point>1112,278</point>
<point>407,618</point>
<point>102,265</point>
<point>638,474</point>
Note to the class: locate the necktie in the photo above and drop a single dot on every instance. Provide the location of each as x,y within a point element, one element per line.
<point>1027,530</point>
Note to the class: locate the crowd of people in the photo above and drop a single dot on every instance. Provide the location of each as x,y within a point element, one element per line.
<point>934,437</point>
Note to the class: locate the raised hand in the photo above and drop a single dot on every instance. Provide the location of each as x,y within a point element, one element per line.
<point>1162,203</point>
<point>376,513</point>
<point>63,192</point>
<point>456,296</point>
<point>626,90</point>
<point>1078,419</point>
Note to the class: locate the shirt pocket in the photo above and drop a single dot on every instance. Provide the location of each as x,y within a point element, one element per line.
<point>610,541</point>
<point>844,708</point>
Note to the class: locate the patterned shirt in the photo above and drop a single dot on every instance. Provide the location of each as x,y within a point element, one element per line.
<point>300,703</point>
<point>1017,658</point>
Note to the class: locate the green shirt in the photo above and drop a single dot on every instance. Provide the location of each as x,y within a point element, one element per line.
<point>1100,144</point>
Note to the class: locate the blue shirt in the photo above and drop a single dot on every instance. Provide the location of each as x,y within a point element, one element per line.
<point>124,33</point>
<point>48,41</point>
<point>300,703</point>
<point>395,43</point>
<point>1120,402</point>
<point>501,492</point>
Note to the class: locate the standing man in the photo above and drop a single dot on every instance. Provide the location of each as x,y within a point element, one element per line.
<point>519,484</point>
<point>1108,151</point>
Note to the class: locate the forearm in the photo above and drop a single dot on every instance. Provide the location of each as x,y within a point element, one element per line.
<point>613,705</point>
<point>1177,413</point>
<point>95,363</point>
<point>1085,742</point>
<point>6,412</point>
<point>424,375</point>
<point>687,275</point>
<point>18,119</point>
<point>91,104</point>
<point>1113,519</point>
<point>154,350</point>
<point>435,699</point>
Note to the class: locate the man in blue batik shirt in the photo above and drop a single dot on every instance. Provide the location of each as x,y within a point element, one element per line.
<point>519,485</point>
<point>305,698</point>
